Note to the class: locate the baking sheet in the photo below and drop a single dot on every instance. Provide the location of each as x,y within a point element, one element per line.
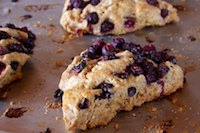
<point>178,113</point>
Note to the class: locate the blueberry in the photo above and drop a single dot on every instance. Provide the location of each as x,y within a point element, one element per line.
<point>77,69</point>
<point>2,67</point>
<point>130,22</point>
<point>105,90</point>
<point>4,35</point>
<point>118,42</point>
<point>108,49</point>
<point>84,104</point>
<point>162,70</point>
<point>106,26</point>
<point>88,54</point>
<point>157,57</point>
<point>9,25</point>
<point>171,59</point>
<point>151,77</point>
<point>16,48</point>
<point>164,13</point>
<point>149,51</point>
<point>138,58</point>
<point>24,29</point>
<point>152,2</point>
<point>136,70</point>
<point>27,43</point>
<point>103,95</point>
<point>92,18</point>
<point>78,3</point>
<point>3,51</point>
<point>148,66</point>
<point>31,35</point>
<point>131,91</point>
<point>109,57</point>
<point>58,94</point>
<point>99,43</point>
<point>104,86</point>
<point>95,2</point>
<point>14,65</point>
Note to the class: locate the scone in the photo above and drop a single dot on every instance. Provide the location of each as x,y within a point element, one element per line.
<point>110,77</point>
<point>16,45</point>
<point>101,17</point>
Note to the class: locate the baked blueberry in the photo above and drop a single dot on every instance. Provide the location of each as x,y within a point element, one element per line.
<point>84,104</point>
<point>92,18</point>
<point>14,65</point>
<point>107,26</point>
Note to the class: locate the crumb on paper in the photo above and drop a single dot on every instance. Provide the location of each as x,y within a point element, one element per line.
<point>59,63</point>
<point>153,129</point>
<point>12,103</point>
<point>15,112</point>
<point>153,109</point>
<point>54,105</point>
<point>134,114</point>
<point>180,7</point>
<point>60,50</point>
<point>25,17</point>
<point>116,127</point>
<point>57,118</point>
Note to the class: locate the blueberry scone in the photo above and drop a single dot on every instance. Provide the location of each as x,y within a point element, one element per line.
<point>101,17</point>
<point>110,77</point>
<point>16,45</point>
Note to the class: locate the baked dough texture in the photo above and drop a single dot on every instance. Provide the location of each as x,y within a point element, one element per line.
<point>97,87</point>
<point>102,17</point>
<point>16,46</point>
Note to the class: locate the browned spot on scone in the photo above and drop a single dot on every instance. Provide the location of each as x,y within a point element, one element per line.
<point>15,112</point>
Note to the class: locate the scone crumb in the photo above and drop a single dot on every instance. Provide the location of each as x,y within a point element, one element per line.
<point>57,118</point>
<point>134,114</point>
<point>54,105</point>
<point>116,127</point>
<point>15,112</point>
<point>60,50</point>
<point>153,109</point>
<point>59,64</point>
<point>12,103</point>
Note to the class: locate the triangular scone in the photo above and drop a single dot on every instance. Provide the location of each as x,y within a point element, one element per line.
<point>16,45</point>
<point>101,17</point>
<point>108,78</point>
